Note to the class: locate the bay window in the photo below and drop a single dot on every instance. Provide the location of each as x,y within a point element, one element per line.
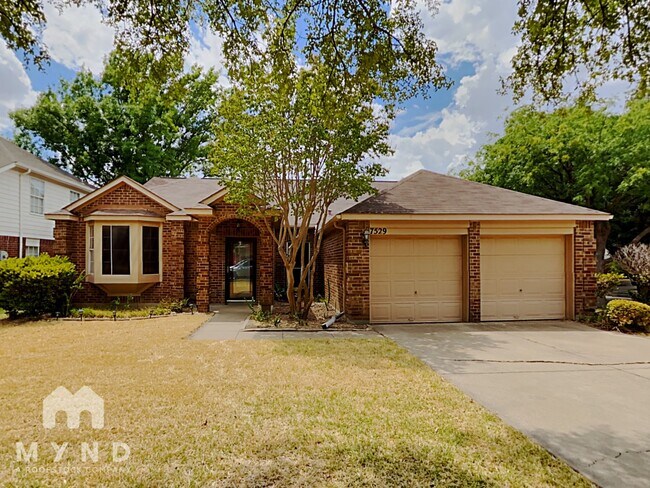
<point>116,250</point>
<point>150,250</point>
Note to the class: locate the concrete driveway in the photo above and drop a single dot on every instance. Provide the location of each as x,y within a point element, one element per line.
<point>582,393</point>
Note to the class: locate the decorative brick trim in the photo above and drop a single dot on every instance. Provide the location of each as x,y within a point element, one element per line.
<point>584,262</point>
<point>474,274</point>
<point>357,272</point>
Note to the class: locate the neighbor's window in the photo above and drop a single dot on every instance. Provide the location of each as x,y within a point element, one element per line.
<point>150,250</point>
<point>116,250</point>
<point>91,249</point>
<point>74,196</point>
<point>37,196</point>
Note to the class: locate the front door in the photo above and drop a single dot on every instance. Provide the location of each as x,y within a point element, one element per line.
<point>240,268</point>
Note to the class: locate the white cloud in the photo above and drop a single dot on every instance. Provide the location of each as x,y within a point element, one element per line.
<point>206,50</point>
<point>466,31</point>
<point>77,37</point>
<point>16,87</point>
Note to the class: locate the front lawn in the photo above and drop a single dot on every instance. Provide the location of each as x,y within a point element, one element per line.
<point>250,413</point>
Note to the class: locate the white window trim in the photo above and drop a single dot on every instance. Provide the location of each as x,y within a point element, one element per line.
<point>74,195</point>
<point>32,244</point>
<point>135,249</point>
<point>33,197</point>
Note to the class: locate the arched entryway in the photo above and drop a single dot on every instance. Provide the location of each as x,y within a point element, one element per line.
<point>241,263</point>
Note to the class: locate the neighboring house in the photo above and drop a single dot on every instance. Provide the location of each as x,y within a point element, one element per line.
<point>429,248</point>
<point>29,188</point>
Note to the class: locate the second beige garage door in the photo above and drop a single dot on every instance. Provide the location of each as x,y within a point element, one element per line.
<point>522,278</point>
<point>415,279</point>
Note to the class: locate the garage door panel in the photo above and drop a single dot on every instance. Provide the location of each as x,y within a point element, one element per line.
<point>430,266</point>
<point>402,289</point>
<point>522,278</point>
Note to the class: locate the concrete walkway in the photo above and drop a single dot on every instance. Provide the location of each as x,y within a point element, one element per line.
<point>229,323</point>
<point>582,393</point>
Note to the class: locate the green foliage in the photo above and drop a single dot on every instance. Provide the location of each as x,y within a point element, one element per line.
<point>578,155</point>
<point>34,286</point>
<point>626,313</point>
<point>634,260</point>
<point>607,282</point>
<point>103,128</point>
<point>580,43</point>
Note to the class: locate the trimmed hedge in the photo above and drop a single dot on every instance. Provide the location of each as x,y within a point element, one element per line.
<point>34,286</point>
<point>626,313</point>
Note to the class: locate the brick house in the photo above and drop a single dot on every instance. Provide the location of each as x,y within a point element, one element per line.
<point>429,248</point>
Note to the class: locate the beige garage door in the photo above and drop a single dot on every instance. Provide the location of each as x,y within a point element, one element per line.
<point>522,278</point>
<point>415,279</point>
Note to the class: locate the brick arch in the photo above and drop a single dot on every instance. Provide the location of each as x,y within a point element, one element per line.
<point>210,256</point>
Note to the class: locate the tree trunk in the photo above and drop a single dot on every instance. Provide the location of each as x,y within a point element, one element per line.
<point>641,235</point>
<point>601,232</point>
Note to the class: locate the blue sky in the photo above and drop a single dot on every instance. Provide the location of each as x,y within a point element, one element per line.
<point>440,133</point>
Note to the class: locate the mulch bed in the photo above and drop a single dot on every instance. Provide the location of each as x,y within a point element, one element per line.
<point>318,314</point>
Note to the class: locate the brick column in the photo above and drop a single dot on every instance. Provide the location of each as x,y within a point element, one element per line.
<point>265,272</point>
<point>584,262</point>
<point>173,241</point>
<point>202,257</point>
<point>62,236</point>
<point>474,274</point>
<point>357,272</point>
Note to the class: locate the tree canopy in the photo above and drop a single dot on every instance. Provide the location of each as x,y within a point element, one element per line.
<point>579,155</point>
<point>580,44</point>
<point>101,128</point>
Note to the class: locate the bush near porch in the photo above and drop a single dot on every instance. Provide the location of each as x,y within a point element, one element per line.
<point>252,413</point>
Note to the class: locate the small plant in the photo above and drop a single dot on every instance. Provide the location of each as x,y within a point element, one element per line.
<point>607,282</point>
<point>634,259</point>
<point>627,313</point>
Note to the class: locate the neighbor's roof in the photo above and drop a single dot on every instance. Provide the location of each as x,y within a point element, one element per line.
<point>184,192</point>
<point>425,192</point>
<point>11,154</point>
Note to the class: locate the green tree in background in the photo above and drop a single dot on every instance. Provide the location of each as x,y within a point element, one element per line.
<point>101,128</point>
<point>580,44</point>
<point>578,155</point>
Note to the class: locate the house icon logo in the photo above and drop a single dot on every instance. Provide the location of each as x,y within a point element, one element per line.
<point>61,400</point>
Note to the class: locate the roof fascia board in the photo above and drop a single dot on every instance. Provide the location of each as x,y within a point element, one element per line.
<point>61,180</point>
<point>475,217</point>
<point>215,196</point>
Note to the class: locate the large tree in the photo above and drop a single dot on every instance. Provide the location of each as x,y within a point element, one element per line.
<point>578,155</point>
<point>577,45</point>
<point>101,128</point>
<point>303,125</point>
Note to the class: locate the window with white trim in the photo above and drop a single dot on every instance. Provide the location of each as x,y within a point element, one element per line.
<point>36,196</point>
<point>32,247</point>
<point>116,250</point>
<point>91,249</point>
<point>150,250</point>
<point>74,196</point>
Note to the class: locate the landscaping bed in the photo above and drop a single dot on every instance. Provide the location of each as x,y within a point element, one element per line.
<point>279,318</point>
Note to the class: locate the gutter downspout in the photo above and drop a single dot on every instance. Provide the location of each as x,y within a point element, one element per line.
<point>342,229</point>
<point>20,212</point>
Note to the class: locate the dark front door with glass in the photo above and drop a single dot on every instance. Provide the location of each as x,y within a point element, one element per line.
<point>240,269</point>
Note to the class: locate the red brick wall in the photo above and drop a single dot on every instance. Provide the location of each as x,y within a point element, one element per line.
<point>332,255</point>
<point>357,272</point>
<point>474,272</point>
<point>10,244</point>
<point>122,197</point>
<point>584,262</point>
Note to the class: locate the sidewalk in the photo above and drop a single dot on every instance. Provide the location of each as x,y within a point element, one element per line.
<point>229,323</point>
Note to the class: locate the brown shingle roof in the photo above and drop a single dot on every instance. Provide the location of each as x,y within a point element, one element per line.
<point>425,192</point>
<point>184,192</point>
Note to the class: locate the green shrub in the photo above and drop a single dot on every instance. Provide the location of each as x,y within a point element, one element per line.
<point>34,286</point>
<point>626,313</point>
<point>634,259</point>
<point>607,282</point>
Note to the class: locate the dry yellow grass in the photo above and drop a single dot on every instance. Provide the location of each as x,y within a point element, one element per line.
<point>296,413</point>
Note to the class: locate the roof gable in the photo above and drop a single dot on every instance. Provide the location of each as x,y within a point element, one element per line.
<point>122,180</point>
